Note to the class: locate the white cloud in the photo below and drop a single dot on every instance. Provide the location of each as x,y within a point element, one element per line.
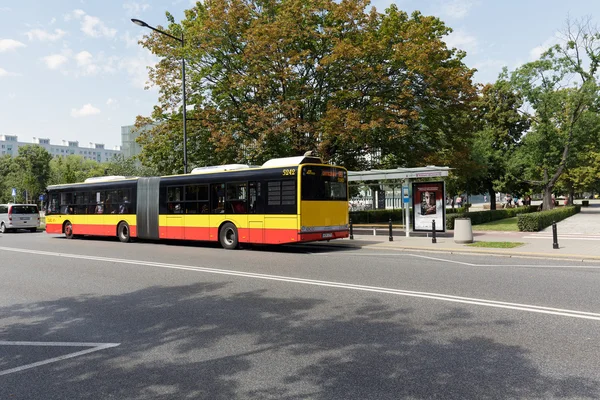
<point>44,36</point>
<point>4,73</point>
<point>137,68</point>
<point>131,41</point>
<point>457,8</point>
<point>9,44</point>
<point>463,41</point>
<point>135,8</point>
<point>75,14</point>
<point>111,101</point>
<point>91,26</point>
<point>537,51</point>
<point>84,61</point>
<point>84,111</point>
<point>5,9</point>
<point>52,21</point>
<point>54,61</point>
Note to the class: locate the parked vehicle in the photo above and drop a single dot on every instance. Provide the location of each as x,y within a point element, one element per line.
<point>19,216</point>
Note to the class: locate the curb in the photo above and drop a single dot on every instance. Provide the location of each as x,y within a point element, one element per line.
<point>464,251</point>
<point>575,257</point>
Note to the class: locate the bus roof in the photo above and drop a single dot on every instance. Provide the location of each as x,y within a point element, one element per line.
<point>230,168</point>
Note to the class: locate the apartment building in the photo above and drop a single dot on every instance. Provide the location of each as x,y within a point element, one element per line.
<point>9,144</point>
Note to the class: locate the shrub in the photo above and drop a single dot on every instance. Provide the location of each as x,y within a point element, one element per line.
<point>375,216</point>
<point>537,221</point>
<point>481,217</point>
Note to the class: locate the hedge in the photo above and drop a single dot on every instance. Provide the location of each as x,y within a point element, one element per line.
<point>477,217</point>
<point>481,217</point>
<point>537,221</point>
<point>376,216</point>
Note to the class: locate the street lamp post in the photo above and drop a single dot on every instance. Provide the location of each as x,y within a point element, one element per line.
<point>180,40</point>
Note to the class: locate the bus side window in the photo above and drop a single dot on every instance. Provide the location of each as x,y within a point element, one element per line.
<point>255,199</point>
<point>217,198</point>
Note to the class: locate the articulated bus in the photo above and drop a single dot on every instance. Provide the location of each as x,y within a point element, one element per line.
<point>286,200</point>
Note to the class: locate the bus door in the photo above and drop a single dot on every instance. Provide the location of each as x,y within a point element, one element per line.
<point>255,213</point>
<point>175,223</point>
<point>217,209</point>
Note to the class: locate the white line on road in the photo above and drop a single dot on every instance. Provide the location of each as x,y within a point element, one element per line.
<point>94,347</point>
<point>399,255</point>
<point>398,292</point>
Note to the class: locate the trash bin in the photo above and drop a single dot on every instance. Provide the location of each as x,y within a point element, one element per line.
<point>463,232</point>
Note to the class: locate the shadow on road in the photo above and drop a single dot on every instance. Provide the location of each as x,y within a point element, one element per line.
<point>221,346</point>
<point>298,248</point>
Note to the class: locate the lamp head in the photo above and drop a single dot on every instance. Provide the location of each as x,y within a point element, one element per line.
<point>139,22</point>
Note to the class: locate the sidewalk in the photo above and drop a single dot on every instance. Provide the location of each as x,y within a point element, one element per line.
<point>578,239</point>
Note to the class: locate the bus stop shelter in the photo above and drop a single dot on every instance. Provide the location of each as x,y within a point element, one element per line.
<point>399,174</point>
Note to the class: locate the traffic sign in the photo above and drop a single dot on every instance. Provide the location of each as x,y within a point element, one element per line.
<point>14,192</point>
<point>405,195</point>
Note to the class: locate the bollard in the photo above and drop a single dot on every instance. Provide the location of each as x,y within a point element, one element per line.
<point>433,238</point>
<point>391,237</point>
<point>554,236</point>
<point>351,232</point>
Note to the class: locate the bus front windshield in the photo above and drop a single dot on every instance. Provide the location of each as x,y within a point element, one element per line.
<point>324,183</point>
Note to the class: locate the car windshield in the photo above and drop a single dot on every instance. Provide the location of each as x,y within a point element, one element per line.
<point>24,209</point>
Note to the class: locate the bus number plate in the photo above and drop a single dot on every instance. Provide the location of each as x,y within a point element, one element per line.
<point>327,235</point>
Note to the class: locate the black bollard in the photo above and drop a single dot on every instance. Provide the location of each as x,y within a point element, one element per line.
<point>351,233</point>
<point>391,237</point>
<point>554,236</point>
<point>433,238</point>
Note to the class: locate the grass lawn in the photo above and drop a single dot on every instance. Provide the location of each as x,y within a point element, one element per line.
<point>497,245</point>
<point>507,224</point>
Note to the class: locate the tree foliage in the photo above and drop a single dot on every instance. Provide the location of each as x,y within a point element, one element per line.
<point>277,78</point>
<point>562,90</point>
<point>500,126</point>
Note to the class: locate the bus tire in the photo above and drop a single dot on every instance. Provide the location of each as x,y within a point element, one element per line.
<point>123,232</point>
<point>68,229</point>
<point>228,236</point>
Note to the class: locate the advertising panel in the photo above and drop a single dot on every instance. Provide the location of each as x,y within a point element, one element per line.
<point>429,205</point>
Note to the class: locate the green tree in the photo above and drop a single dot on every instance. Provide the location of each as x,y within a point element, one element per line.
<point>7,178</point>
<point>73,169</point>
<point>561,89</point>
<point>33,170</point>
<point>501,126</point>
<point>273,79</point>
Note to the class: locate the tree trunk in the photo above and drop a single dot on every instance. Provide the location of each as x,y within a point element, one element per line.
<point>548,203</point>
<point>571,195</point>
<point>492,194</point>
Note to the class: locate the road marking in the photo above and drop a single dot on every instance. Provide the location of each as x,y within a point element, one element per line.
<point>466,263</point>
<point>94,347</point>
<point>341,285</point>
<point>594,238</point>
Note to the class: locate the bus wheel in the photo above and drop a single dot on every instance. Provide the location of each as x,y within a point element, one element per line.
<point>69,230</point>
<point>123,232</point>
<point>228,236</point>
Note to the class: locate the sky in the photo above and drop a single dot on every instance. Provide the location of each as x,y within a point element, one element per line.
<point>73,70</point>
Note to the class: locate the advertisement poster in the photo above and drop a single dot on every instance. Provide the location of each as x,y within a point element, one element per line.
<point>429,205</point>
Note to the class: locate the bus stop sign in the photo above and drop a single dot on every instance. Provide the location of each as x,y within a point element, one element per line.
<point>405,195</point>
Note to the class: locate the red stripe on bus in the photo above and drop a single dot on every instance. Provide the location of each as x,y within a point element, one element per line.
<point>89,229</point>
<point>246,235</point>
<point>53,228</point>
<point>312,237</point>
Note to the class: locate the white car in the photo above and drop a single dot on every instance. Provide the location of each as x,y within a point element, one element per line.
<point>19,216</point>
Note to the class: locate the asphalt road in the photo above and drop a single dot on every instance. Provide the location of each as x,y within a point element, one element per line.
<point>98,319</point>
